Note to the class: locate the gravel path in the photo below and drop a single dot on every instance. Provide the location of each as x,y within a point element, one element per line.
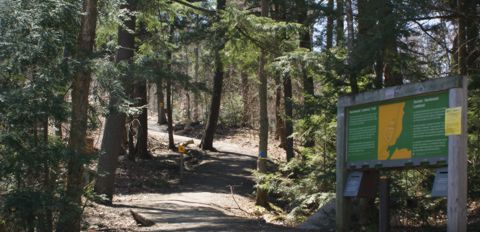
<point>215,196</point>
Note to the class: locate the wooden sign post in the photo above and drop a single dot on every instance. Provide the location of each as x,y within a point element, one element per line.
<point>408,126</point>
<point>457,164</point>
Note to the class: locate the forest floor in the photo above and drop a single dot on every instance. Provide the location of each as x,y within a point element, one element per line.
<point>214,194</point>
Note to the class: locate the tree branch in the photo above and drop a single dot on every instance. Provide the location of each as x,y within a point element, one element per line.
<point>444,46</point>
<point>254,41</point>
<point>187,4</point>
<point>450,16</point>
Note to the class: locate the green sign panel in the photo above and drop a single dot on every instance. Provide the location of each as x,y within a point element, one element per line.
<point>403,130</point>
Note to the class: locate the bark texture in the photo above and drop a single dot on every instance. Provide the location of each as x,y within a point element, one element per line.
<point>330,17</point>
<point>245,99</point>
<point>287,95</point>
<point>171,142</point>
<point>162,119</point>
<point>70,218</point>
<point>261,198</point>
<point>340,23</point>
<point>207,139</point>
<point>115,133</point>
<point>462,38</point>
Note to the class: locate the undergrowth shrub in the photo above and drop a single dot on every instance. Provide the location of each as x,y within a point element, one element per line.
<point>231,111</point>
<point>302,185</point>
<point>32,177</point>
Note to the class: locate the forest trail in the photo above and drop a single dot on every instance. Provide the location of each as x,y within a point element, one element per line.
<point>217,195</point>
<point>160,132</point>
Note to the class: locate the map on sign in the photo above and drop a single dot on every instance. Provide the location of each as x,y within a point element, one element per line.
<point>393,132</point>
<point>399,130</point>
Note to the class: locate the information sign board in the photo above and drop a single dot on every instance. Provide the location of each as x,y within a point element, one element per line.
<point>398,133</point>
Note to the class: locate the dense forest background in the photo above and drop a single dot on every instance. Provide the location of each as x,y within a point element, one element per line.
<point>71,70</point>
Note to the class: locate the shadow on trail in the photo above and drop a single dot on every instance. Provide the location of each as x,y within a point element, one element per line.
<point>209,197</point>
<point>220,171</point>
<point>215,173</point>
<point>191,216</point>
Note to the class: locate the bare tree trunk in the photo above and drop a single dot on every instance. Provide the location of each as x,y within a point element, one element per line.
<point>187,110</point>
<point>279,127</point>
<point>305,42</point>
<point>378,68</point>
<point>171,142</point>
<point>462,38</point>
<point>351,75</point>
<point>162,119</point>
<point>139,95</point>
<point>330,14</point>
<point>58,131</point>
<point>245,99</point>
<point>340,23</point>
<point>472,34</point>
<point>261,198</point>
<point>308,85</point>
<point>392,76</point>
<point>196,96</point>
<point>47,185</point>
<point>114,134</point>
<point>207,139</point>
<point>287,96</point>
<point>142,137</point>
<point>70,218</point>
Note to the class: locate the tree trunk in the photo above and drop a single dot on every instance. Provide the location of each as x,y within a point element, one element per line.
<point>308,85</point>
<point>47,184</point>
<point>378,68</point>
<point>279,127</point>
<point>162,119</point>
<point>351,74</point>
<point>287,96</point>
<point>196,96</point>
<point>392,75</point>
<point>141,147</point>
<point>207,139</point>
<point>187,106</point>
<point>188,112</point>
<point>245,99</point>
<point>340,23</point>
<point>305,42</point>
<point>58,129</point>
<point>330,14</point>
<point>261,198</point>
<point>70,218</point>
<point>171,142</point>
<point>472,34</point>
<point>114,133</point>
<point>462,38</point>
<point>139,95</point>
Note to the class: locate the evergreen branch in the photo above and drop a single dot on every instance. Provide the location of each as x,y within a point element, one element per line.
<point>253,40</point>
<point>187,4</point>
<point>450,16</point>
<point>443,45</point>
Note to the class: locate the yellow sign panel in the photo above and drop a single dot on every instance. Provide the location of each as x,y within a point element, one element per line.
<point>390,127</point>
<point>453,121</point>
<point>181,149</point>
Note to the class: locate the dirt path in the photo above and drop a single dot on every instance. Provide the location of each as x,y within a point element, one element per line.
<point>215,196</point>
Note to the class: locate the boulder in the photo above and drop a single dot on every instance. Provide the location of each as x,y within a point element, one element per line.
<point>323,219</point>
